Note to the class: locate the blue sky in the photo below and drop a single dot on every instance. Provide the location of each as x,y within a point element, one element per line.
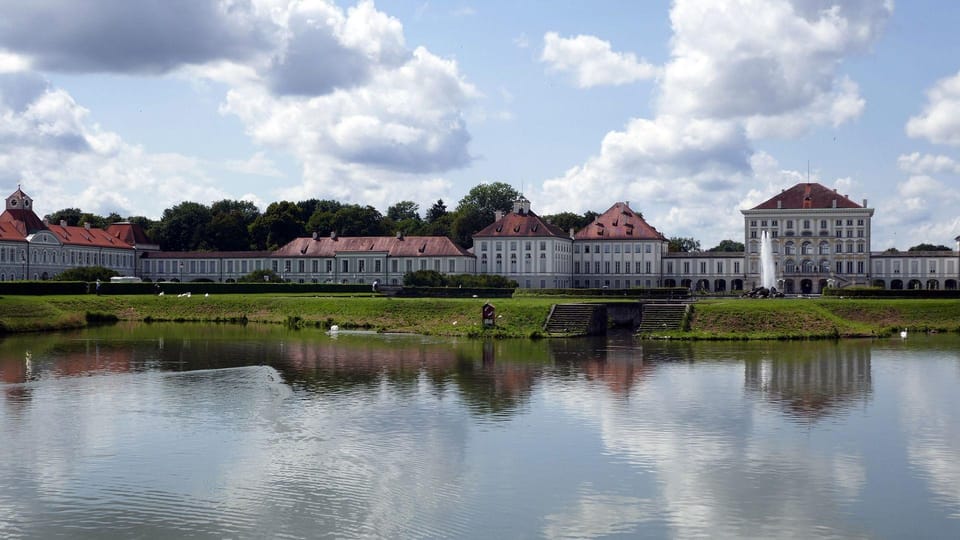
<point>690,110</point>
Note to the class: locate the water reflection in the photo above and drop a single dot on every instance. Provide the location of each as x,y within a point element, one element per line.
<point>224,431</point>
<point>812,382</point>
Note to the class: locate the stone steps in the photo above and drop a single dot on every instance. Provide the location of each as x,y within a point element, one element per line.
<point>662,317</point>
<point>575,319</point>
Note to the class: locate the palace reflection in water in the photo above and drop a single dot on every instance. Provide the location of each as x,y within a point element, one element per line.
<point>219,430</point>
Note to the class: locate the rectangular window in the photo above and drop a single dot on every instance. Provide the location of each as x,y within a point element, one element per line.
<point>648,267</point>
<point>606,248</point>
<point>316,266</point>
<point>763,223</point>
<point>789,223</point>
<point>859,267</point>
<point>513,246</point>
<point>686,267</point>
<point>499,246</point>
<point>849,267</point>
<point>301,266</point>
<point>576,267</point>
<point>839,267</point>
<point>329,266</point>
<point>860,223</point>
<point>647,248</point>
<point>616,248</point>
<point>670,267</point>
<point>436,265</point>
<point>362,265</point>
<point>345,265</point>
<point>378,266</point>
<point>596,267</point>
<point>753,223</point>
<point>483,246</point>
<point>849,223</point>
<point>528,245</point>
<point>616,267</point>
<point>703,267</point>
<point>409,265</point>
<point>736,267</point>
<point>806,224</point>
<point>394,265</point>
<point>423,264</point>
<point>606,267</point>
<point>719,267</point>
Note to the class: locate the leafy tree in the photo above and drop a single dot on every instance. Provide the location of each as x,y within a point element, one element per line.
<point>728,246</point>
<point>568,220</point>
<point>929,247</point>
<point>261,276</point>
<point>183,227</point>
<point>488,198</point>
<point>442,226</point>
<point>86,273</point>
<point>424,278</point>
<point>683,245</point>
<point>437,211</point>
<point>404,210</point>
<point>277,226</point>
<point>321,220</point>
<point>467,222</point>
<point>229,227</point>
<point>356,220</point>
<point>70,215</point>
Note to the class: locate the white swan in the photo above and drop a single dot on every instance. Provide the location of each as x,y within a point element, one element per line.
<point>903,334</point>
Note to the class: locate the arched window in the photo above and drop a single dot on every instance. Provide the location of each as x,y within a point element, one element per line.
<point>806,248</point>
<point>790,266</point>
<point>788,249</point>
<point>824,248</point>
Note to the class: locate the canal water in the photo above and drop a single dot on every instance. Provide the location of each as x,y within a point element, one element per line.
<point>224,431</point>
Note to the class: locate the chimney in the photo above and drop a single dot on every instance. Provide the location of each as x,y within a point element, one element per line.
<point>86,226</point>
<point>399,235</point>
<point>63,223</point>
<point>333,235</point>
<point>46,222</point>
<point>315,235</point>
<point>864,203</point>
<point>497,215</point>
<point>571,232</point>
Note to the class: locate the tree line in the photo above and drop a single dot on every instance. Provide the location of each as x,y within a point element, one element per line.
<point>232,225</point>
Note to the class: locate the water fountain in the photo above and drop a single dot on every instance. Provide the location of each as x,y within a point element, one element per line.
<point>768,269</point>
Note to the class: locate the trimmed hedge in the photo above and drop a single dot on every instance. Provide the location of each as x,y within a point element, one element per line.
<point>194,287</point>
<point>455,292</point>
<point>892,293</point>
<point>660,293</point>
<point>38,288</point>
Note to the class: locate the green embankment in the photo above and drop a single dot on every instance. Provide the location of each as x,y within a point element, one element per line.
<point>818,318</point>
<point>435,316</point>
<point>517,317</point>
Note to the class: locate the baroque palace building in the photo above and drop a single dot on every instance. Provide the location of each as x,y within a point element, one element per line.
<point>818,237</point>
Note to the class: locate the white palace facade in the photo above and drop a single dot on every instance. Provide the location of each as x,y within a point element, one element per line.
<point>819,239</point>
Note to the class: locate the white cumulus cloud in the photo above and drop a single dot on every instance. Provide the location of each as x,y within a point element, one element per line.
<point>592,61</point>
<point>940,120</point>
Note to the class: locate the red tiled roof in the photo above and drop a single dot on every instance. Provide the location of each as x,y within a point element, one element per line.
<point>130,233</point>
<point>24,220</point>
<point>620,222</point>
<point>81,236</point>
<point>409,246</point>
<point>807,195</point>
<point>10,233</point>
<point>525,224</point>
